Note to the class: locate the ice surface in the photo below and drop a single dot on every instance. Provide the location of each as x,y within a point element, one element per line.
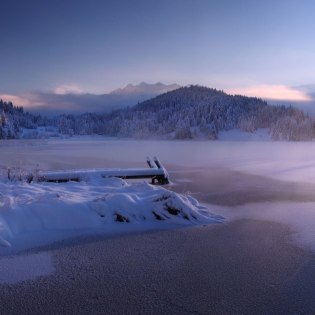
<point>299,215</point>
<point>25,267</point>
<point>261,134</point>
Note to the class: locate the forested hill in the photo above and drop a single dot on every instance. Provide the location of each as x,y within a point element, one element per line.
<point>195,111</point>
<point>13,118</point>
<point>186,113</point>
<point>9,120</point>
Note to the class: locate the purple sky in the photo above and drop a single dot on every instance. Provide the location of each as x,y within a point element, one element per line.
<point>264,48</point>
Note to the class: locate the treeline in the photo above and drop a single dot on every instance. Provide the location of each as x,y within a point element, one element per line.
<point>9,120</point>
<point>186,113</point>
<point>13,119</point>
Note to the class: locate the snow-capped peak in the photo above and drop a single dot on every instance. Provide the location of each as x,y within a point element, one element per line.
<point>145,88</point>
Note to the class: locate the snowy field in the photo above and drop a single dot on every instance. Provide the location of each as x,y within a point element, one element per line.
<point>39,213</point>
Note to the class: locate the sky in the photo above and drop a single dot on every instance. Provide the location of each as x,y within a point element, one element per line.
<point>262,48</point>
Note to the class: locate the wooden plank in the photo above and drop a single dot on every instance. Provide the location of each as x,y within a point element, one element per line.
<point>156,172</point>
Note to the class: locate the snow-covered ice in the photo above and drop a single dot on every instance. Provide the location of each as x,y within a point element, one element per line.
<point>25,267</point>
<point>35,214</point>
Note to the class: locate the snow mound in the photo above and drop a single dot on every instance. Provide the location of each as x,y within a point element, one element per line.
<point>33,212</point>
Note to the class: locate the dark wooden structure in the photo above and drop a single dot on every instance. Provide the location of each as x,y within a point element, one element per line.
<point>156,172</point>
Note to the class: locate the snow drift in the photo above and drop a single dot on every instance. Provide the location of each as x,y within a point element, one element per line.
<point>41,213</point>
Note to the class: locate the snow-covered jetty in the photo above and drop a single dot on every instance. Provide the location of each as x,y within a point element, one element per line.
<point>156,172</point>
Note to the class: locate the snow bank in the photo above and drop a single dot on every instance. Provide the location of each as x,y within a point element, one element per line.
<point>40,213</point>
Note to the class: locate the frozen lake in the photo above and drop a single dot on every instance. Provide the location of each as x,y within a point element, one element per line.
<point>265,180</point>
<point>288,161</point>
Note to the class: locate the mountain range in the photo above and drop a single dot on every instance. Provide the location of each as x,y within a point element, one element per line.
<point>76,103</point>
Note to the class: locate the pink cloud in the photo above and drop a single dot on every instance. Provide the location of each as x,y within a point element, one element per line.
<point>16,100</point>
<point>273,92</point>
<point>26,100</point>
<point>68,89</point>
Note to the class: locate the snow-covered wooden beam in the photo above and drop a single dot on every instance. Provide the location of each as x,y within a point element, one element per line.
<point>156,172</point>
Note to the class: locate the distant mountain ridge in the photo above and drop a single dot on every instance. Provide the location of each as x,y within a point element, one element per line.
<point>100,103</point>
<point>145,89</point>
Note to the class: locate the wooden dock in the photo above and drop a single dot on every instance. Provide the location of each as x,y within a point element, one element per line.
<point>156,172</point>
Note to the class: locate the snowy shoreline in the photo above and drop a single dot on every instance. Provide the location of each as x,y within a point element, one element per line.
<point>37,214</point>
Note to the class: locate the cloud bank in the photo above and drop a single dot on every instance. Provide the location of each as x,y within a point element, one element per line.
<point>68,89</point>
<point>274,92</point>
<point>72,99</point>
